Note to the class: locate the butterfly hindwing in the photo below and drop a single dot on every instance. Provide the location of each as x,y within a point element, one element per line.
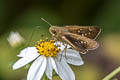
<point>78,42</point>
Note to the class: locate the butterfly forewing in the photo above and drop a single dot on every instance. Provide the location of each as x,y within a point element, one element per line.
<point>87,31</point>
<point>78,42</point>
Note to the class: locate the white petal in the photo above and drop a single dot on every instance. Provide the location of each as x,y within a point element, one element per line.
<point>68,46</point>
<point>37,69</point>
<point>54,65</point>
<point>25,60</point>
<point>61,45</point>
<point>27,51</point>
<point>73,57</point>
<point>49,69</point>
<point>50,66</point>
<point>64,71</point>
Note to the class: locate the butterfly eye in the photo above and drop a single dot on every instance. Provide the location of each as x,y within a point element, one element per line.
<point>54,31</point>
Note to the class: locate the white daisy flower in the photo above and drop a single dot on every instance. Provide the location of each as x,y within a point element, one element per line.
<point>47,57</point>
<point>15,39</point>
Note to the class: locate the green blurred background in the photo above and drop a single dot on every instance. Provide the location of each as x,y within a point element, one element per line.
<point>24,15</point>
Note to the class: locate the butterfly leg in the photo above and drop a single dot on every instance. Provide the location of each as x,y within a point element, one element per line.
<point>61,55</point>
<point>64,50</point>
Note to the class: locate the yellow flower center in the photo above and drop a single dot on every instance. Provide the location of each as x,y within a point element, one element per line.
<point>47,48</point>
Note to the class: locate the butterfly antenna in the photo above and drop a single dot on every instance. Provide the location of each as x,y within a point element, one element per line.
<point>46,21</point>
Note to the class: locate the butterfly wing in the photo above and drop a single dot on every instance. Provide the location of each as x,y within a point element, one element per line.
<point>78,42</point>
<point>88,31</point>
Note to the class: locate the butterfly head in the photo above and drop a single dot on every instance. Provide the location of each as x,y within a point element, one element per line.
<point>53,30</point>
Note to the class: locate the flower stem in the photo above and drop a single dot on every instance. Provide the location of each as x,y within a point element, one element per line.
<point>112,74</point>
